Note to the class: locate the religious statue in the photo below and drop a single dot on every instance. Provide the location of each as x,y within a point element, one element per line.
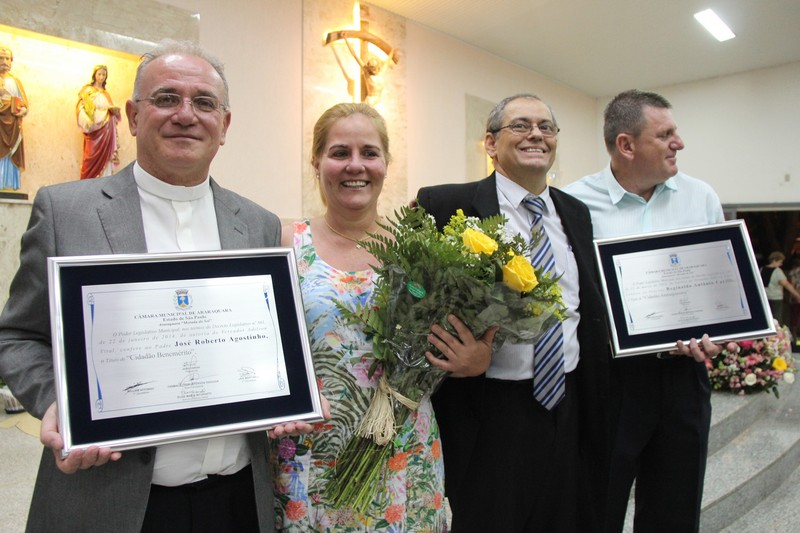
<point>371,66</point>
<point>13,107</point>
<point>98,118</point>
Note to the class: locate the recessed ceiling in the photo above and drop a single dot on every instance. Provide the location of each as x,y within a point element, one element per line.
<point>603,47</point>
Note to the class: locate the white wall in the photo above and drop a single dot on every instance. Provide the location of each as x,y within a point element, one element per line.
<point>260,42</point>
<point>442,70</point>
<point>742,133</point>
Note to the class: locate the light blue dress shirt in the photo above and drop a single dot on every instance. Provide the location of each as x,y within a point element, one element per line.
<point>680,202</point>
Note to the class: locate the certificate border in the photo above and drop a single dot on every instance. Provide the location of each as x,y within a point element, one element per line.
<point>67,277</point>
<point>759,325</point>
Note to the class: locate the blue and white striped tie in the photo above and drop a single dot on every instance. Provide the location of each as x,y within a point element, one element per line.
<point>548,352</point>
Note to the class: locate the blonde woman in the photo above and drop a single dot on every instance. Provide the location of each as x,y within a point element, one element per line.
<point>350,155</point>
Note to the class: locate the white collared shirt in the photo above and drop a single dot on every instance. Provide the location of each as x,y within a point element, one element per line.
<point>183,219</point>
<point>515,361</point>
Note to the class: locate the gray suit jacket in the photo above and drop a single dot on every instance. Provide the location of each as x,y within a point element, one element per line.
<point>101,216</point>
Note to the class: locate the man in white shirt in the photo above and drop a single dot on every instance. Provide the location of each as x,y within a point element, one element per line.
<point>515,460</point>
<point>164,202</point>
<point>661,401</point>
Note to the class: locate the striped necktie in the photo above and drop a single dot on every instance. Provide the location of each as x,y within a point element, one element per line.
<point>548,352</point>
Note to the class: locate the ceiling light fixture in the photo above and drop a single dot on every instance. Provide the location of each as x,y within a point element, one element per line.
<point>714,25</point>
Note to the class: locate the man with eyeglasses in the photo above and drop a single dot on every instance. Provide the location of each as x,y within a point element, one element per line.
<point>163,202</point>
<point>662,401</point>
<point>522,452</point>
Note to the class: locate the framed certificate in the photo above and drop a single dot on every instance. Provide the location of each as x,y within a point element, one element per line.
<point>150,349</point>
<point>670,285</point>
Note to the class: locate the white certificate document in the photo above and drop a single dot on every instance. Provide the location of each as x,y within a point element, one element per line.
<point>672,288</point>
<point>169,345</point>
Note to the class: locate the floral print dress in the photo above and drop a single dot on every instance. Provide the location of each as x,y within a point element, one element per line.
<point>412,497</point>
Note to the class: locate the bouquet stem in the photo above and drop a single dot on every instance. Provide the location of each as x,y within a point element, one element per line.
<point>358,473</point>
<point>379,421</point>
<point>359,468</point>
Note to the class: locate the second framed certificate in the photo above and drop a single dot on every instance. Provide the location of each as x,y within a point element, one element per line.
<point>158,348</point>
<point>676,285</point>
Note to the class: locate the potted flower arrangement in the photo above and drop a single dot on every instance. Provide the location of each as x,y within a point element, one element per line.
<point>754,366</point>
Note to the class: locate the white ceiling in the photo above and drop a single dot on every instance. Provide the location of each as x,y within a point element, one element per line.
<point>602,47</point>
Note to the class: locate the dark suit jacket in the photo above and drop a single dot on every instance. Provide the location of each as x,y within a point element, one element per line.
<point>101,216</point>
<point>456,403</point>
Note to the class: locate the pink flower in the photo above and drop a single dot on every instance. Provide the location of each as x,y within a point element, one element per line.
<point>286,449</point>
<point>360,371</point>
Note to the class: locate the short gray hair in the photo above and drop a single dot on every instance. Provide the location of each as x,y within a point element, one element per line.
<point>170,46</point>
<point>495,120</point>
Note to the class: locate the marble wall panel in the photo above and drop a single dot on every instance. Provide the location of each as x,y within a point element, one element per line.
<point>127,25</point>
<point>324,85</point>
<point>13,221</point>
<point>477,110</point>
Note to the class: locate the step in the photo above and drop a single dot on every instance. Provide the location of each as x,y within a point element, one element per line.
<point>779,513</point>
<point>753,464</point>
<point>754,445</point>
<point>731,414</point>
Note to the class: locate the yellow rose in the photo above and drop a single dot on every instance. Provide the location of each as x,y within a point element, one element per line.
<point>519,274</point>
<point>779,363</point>
<point>478,242</point>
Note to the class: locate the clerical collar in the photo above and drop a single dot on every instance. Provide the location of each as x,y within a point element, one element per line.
<point>149,183</point>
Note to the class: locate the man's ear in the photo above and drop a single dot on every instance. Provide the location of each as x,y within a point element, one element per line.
<point>226,123</point>
<point>130,111</point>
<point>626,145</point>
<point>489,144</point>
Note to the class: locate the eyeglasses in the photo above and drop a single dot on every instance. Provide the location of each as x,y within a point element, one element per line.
<point>546,129</point>
<point>201,104</point>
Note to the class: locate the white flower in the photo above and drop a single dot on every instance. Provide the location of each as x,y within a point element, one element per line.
<point>750,379</point>
<point>507,235</point>
<point>788,377</point>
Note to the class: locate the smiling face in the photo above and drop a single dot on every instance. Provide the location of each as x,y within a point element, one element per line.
<point>352,165</point>
<point>655,149</point>
<point>524,159</point>
<point>177,145</point>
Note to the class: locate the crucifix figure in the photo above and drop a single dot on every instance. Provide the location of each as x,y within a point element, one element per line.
<point>371,66</point>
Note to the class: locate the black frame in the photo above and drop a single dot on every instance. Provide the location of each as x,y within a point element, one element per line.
<point>68,275</point>
<point>624,344</point>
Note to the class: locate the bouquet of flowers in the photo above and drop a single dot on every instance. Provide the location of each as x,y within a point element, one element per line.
<point>755,366</point>
<point>475,269</point>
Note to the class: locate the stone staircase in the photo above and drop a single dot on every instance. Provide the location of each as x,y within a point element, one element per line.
<point>752,480</point>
